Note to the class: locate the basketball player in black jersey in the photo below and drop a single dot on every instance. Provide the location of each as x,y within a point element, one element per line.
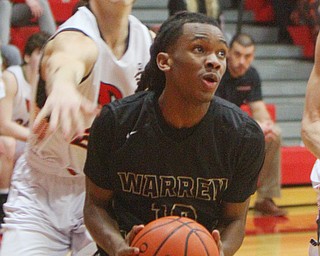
<point>173,148</point>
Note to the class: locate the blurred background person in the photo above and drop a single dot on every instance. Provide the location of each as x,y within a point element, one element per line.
<point>14,110</point>
<point>23,12</point>
<point>241,85</point>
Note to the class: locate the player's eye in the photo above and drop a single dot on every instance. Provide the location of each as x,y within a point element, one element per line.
<point>199,49</point>
<point>222,53</point>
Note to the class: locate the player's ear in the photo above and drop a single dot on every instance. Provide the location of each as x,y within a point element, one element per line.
<point>163,61</point>
<point>26,58</point>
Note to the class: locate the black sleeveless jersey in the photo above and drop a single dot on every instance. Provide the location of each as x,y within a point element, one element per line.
<point>156,170</point>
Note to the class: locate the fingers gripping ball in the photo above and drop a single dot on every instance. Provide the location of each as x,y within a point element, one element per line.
<point>175,236</point>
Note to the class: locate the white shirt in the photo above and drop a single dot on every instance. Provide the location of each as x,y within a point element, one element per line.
<point>21,112</point>
<point>110,79</point>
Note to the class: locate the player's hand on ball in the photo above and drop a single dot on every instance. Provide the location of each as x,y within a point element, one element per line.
<point>134,231</point>
<point>216,237</point>
<point>125,249</point>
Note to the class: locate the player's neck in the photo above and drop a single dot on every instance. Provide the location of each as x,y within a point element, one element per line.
<point>235,74</point>
<point>114,28</point>
<point>111,20</point>
<point>232,74</point>
<point>30,75</point>
<point>181,115</point>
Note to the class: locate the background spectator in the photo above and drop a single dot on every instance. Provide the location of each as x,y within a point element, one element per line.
<point>11,55</point>
<point>23,12</point>
<point>175,6</point>
<point>240,85</point>
<point>208,7</point>
<point>14,110</point>
<point>282,10</point>
<point>307,12</point>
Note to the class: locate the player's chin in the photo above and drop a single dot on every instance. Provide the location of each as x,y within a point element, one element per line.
<point>205,98</point>
<point>207,95</point>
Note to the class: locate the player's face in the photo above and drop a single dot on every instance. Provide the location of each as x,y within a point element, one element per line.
<point>33,60</point>
<point>240,59</point>
<point>197,62</point>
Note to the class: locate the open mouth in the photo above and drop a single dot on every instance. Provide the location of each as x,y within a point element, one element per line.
<point>211,78</point>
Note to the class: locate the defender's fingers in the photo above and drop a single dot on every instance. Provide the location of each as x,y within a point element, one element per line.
<point>42,115</point>
<point>54,120</point>
<point>67,118</point>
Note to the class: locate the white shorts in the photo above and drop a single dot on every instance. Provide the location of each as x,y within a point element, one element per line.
<point>20,146</point>
<point>315,175</point>
<point>44,215</point>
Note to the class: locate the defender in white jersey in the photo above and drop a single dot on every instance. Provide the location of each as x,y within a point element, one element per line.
<point>94,57</point>
<point>14,110</point>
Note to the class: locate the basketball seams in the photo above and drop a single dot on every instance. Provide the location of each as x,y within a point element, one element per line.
<point>153,229</point>
<point>195,232</point>
<point>169,235</point>
<point>166,235</point>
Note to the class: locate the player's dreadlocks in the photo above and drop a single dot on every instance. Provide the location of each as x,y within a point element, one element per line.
<point>153,78</point>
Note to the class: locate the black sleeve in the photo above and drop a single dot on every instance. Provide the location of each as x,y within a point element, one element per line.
<point>256,93</point>
<point>99,146</point>
<point>250,155</point>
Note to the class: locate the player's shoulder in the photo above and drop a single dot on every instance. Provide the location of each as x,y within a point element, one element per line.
<point>223,106</point>
<point>139,28</point>
<point>233,121</point>
<point>136,23</point>
<point>83,20</point>
<point>253,72</point>
<point>129,103</point>
<point>128,111</point>
<point>231,113</point>
<point>13,69</point>
<point>11,75</point>
<point>134,20</point>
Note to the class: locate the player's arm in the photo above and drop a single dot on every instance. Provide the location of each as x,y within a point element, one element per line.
<point>261,114</point>
<point>234,207</point>
<point>232,226</point>
<point>103,228</point>
<point>310,131</point>
<point>9,127</point>
<point>67,59</point>
<point>35,8</point>
<point>259,111</point>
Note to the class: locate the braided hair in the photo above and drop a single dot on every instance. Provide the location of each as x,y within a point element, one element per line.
<point>153,78</point>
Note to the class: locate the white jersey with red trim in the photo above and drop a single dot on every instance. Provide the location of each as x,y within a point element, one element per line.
<point>20,111</point>
<point>110,79</point>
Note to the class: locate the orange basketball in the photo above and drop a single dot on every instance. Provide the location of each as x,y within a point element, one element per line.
<point>175,236</point>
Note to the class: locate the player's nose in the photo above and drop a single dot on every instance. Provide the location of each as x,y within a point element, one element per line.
<point>212,62</point>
